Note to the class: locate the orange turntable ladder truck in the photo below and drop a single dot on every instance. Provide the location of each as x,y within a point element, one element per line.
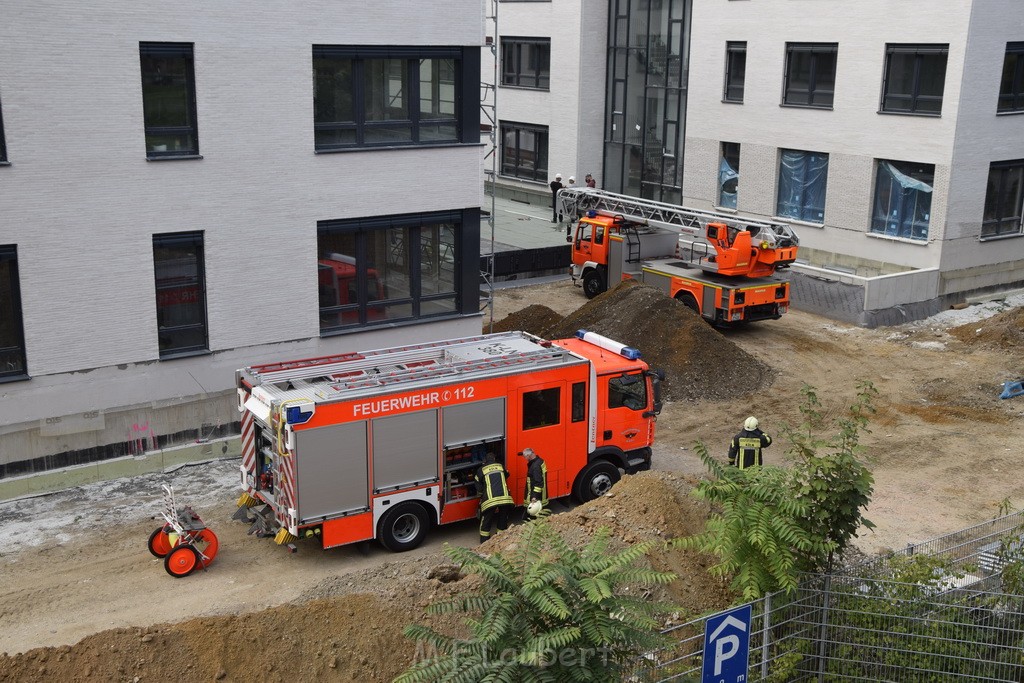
<point>727,272</point>
<point>383,444</point>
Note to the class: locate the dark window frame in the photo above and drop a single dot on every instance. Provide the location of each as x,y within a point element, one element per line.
<point>191,130</point>
<point>1011,85</point>
<point>539,172</point>
<point>790,96</point>
<point>194,239</point>
<point>1007,221</point>
<point>542,408</point>
<point>732,91</point>
<point>362,229</point>
<point>465,62</point>
<point>513,73</point>
<point>803,206</point>
<point>728,151</point>
<point>3,140</point>
<point>917,100</point>
<point>9,254</point>
<point>578,408</point>
<point>629,391</point>
<point>906,226</point>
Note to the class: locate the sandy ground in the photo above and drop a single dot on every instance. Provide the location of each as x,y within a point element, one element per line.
<point>943,450</point>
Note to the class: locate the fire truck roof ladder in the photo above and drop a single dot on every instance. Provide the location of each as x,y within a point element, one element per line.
<point>409,364</point>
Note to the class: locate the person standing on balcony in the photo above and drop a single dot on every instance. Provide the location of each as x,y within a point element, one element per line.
<point>555,186</point>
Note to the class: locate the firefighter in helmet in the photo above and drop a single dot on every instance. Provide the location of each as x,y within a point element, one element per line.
<point>745,448</point>
<point>536,496</point>
<point>495,500</point>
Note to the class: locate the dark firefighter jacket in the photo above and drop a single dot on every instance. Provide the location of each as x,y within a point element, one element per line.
<point>745,448</point>
<point>493,486</point>
<point>536,482</point>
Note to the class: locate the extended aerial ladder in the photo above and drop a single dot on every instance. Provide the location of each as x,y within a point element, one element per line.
<point>766,236</point>
<point>724,272</point>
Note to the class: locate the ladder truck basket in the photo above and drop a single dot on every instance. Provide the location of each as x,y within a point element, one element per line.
<point>183,541</point>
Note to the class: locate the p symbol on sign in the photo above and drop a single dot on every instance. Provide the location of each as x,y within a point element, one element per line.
<point>722,654</point>
<point>727,646</point>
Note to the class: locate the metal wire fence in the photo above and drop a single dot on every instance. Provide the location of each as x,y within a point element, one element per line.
<point>951,623</point>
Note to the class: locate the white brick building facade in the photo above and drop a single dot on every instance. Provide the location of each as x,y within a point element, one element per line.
<point>856,132</point>
<point>81,203</point>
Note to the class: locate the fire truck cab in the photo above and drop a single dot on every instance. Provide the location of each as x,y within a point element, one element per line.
<point>385,444</point>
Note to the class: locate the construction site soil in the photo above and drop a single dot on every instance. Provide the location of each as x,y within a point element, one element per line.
<point>86,601</point>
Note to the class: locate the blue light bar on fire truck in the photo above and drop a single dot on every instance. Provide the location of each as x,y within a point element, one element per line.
<point>608,344</point>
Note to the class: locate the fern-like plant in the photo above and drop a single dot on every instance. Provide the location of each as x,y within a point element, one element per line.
<point>828,476</point>
<point>545,612</point>
<point>755,530</point>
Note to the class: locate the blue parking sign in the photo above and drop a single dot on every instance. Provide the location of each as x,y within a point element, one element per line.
<point>727,646</point>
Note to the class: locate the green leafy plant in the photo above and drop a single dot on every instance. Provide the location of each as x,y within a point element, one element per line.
<point>828,477</point>
<point>756,532</point>
<point>546,612</point>
<point>771,523</point>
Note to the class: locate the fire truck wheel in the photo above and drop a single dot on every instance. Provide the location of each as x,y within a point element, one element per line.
<point>686,299</point>
<point>593,283</point>
<point>595,480</point>
<point>403,528</point>
<point>181,561</point>
<point>159,543</point>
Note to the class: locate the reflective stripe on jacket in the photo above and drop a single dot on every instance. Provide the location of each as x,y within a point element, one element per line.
<point>536,481</point>
<point>745,449</point>
<point>494,487</point>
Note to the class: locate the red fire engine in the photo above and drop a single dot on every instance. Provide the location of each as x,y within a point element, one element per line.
<point>384,444</point>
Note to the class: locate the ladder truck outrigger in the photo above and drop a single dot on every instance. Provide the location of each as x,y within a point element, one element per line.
<point>727,273</point>
<point>384,444</point>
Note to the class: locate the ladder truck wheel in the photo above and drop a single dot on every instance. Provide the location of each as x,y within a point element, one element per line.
<point>403,528</point>
<point>686,299</point>
<point>159,543</point>
<point>595,480</point>
<point>593,283</point>
<point>181,561</point>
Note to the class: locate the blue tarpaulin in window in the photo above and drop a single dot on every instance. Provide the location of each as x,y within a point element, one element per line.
<point>803,178</point>
<point>727,180</point>
<point>902,204</point>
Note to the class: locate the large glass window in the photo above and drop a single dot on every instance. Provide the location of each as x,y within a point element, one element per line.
<point>385,269</point>
<point>915,77</point>
<point>728,174</point>
<point>169,99</point>
<point>735,70</point>
<point>526,62</point>
<point>180,271</point>
<point>803,179</point>
<point>903,199</point>
<point>524,151</point>
<point>645,107</point>
<point>1003,199</point>
<point>810,74</point>
<point>1011,87</point>
<point>12,337</point>
<point>367,97</point>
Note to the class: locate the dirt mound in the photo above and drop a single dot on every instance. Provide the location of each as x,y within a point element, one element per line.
<point>349,628</point>
<point>1002,331</point>
<point>536,319</point>
<point>648,505</point>
<point>337,640</point>
<point>699,362</point>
